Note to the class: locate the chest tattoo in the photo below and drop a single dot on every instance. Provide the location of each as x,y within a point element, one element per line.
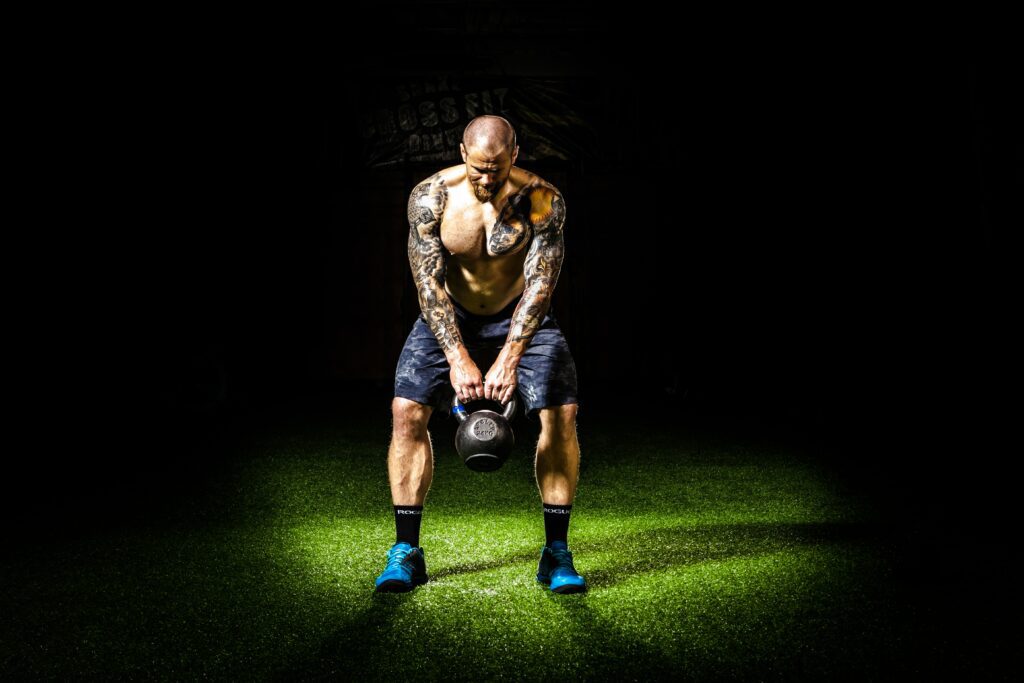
<point>513,226</point>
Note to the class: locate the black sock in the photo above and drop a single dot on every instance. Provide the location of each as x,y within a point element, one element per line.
<point>407,524</point>
<point>556,522</point>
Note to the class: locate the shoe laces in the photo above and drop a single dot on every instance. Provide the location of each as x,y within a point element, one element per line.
<point>563,558</point>
<point>396,556</point>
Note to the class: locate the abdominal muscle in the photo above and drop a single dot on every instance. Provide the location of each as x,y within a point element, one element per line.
<point>483,293</point>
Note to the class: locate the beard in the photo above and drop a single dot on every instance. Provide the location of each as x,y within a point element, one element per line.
<point>482,193</point>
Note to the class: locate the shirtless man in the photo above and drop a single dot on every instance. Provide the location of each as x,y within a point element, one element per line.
<point>485,248</point>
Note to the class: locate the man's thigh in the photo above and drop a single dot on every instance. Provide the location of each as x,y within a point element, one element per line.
<point>422,373</point>
<point>547,371</point>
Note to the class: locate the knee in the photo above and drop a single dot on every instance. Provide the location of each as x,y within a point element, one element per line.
<point>559,422</point>
<point>410,418</point>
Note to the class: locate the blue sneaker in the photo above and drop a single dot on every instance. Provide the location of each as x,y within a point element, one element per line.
<point>406,569</point>
<point>556,569</point>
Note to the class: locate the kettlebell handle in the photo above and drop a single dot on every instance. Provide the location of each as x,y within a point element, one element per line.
<point>459,410</point>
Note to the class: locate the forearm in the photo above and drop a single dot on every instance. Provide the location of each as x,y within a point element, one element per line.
<point>440,315</point>
<point>543,263</point>
<point>527,318</point>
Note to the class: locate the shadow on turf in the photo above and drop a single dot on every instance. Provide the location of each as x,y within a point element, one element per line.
<point>613,654</point>
<point>364,646</point>
<point>356,646</point>
<point>652,550</point>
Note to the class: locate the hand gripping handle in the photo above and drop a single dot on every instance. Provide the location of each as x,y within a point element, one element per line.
<point>459,410</point>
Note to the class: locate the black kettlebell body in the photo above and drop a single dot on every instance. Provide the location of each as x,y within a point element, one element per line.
<point>484,438</point>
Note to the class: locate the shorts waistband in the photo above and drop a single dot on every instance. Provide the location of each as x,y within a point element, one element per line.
<point>500,315</point>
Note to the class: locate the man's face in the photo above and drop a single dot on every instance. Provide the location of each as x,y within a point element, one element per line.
<point>486,171</point>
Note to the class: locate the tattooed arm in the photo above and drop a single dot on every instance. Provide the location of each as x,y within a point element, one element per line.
<point>426,259</point>
<point>543,263</point>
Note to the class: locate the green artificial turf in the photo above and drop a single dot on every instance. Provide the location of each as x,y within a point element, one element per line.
<point>706,557</point>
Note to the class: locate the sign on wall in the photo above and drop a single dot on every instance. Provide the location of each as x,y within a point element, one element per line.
<point>423,120</point>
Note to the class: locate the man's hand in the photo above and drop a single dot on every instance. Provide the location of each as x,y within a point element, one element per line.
<point>501,379</point>
<point>466,378</point>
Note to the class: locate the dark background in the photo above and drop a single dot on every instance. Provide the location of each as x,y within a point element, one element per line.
<point>808,231</point>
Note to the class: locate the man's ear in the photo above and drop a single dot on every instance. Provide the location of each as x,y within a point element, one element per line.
<point>462,151</point>
<point>515,153</point>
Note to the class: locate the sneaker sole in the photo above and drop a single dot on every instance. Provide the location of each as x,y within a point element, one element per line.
<point>396,586</point>
<point>569,588</point>
<point>562,590</point>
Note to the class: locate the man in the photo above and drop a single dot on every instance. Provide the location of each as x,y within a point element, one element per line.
<point>485,248</point>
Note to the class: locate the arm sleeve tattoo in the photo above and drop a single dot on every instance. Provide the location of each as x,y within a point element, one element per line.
<point>427,260</point>
<point>543,263</point>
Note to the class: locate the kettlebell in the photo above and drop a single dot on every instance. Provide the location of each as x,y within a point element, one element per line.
<point>484,438</point>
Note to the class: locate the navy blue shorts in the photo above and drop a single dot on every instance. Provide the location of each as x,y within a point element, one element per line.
<point>546,372</point>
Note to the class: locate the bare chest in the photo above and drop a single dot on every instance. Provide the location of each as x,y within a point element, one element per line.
<point>476,231</point>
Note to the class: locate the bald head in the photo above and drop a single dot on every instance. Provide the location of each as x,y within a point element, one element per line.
<point>489,150</point>
<point>489,134</point>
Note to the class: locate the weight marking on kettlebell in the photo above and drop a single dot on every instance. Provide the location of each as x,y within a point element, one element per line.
<point>485,429</point>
